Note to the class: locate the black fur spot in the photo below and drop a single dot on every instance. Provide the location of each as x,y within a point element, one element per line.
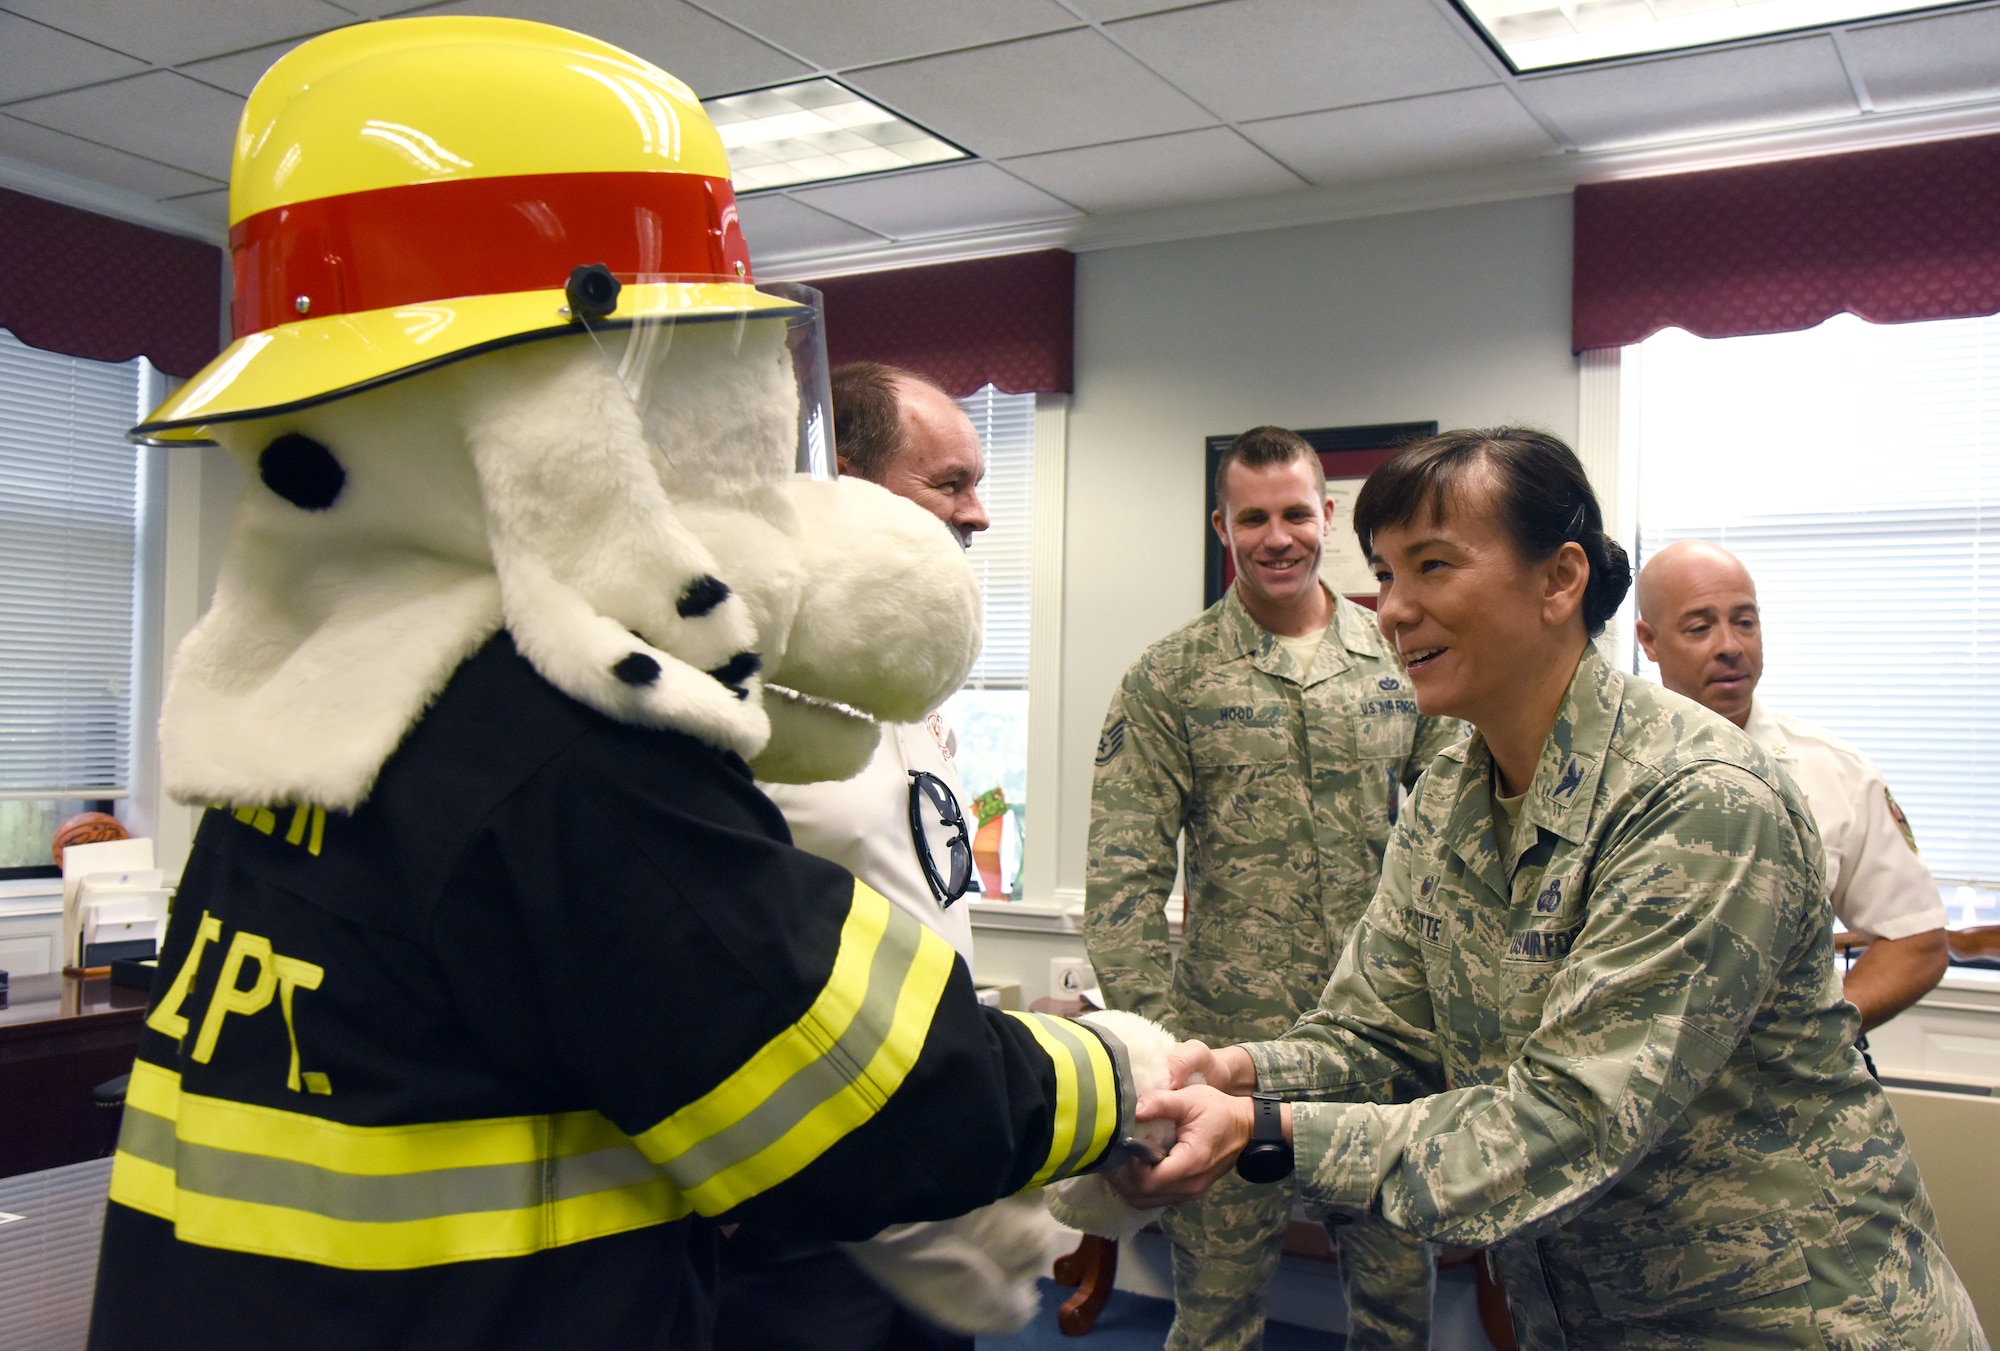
<point>636,668</point>
<point>738,669</point>
<point>302,471</point>
<point>703,594</point>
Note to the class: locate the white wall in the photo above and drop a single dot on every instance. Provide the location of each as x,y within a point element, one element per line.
<point>1461,316</point>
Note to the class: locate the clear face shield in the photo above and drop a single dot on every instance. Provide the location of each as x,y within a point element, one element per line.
<point>729,386</point>
<point>695,354</point>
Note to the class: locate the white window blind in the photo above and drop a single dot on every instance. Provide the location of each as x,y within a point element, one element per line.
<point>68,537</point>
<point>1855,469</point>
<point>1003,554</point>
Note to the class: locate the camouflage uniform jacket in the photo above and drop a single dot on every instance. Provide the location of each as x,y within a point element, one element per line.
<point>1286,783</point>
<point>1645,1093</point>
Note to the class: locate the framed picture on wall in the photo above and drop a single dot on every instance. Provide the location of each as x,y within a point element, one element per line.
<point>1348,455</point>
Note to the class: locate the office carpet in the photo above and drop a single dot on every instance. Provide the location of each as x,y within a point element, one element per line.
<point>1132,1322</point>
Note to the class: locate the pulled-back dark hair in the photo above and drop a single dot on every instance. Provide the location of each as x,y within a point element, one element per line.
<point>1263,446</point>
<point>1542,493</point>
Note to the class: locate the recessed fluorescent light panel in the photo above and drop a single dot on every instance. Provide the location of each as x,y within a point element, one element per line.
<point>1535,34</point>
<point>814,131</point>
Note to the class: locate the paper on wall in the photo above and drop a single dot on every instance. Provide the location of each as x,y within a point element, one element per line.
<point>1342,566</point>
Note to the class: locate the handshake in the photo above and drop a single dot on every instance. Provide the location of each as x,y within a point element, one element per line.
<point>1194,1117</point>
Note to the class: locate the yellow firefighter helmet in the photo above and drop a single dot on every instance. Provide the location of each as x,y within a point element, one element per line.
<point>414,191</point>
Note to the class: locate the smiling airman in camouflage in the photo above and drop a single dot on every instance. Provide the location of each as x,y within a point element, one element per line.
<point>1281,752</point>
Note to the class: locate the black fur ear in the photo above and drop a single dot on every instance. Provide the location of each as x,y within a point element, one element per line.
<point>703,594</point>
<point>636,668</point>
<point>737,670</point>
<point>302,471</point>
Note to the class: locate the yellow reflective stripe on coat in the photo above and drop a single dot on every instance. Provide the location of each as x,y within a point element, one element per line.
<point>285,1184</point>
<point>1086,1095</point>
<point>822,1077</point>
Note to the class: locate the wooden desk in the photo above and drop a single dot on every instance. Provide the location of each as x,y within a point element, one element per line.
<point>60,1038</point>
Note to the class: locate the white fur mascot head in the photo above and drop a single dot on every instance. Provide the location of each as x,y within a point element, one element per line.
<point>510,370</point>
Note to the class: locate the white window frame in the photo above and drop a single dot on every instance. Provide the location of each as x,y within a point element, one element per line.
<point>1607,443</point>
<point>1045,628</point>
<point>171,599</point>
<point>1039,906</point>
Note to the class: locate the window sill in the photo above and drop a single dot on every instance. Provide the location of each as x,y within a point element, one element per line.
<point>1973,980</point>
<point>1064,916</point>
<point>31,896</point>
<point>1026,916</point>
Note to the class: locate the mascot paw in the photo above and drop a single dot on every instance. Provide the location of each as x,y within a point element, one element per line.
<point>1088,1203</point>
<point>975,1274</point>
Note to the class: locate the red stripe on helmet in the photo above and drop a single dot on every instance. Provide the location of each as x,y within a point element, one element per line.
<point>419,242</point>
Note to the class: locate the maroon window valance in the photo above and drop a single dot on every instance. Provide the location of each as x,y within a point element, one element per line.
<point>1891,235</point>
<point>85,285</point>
<point>1009,321</point>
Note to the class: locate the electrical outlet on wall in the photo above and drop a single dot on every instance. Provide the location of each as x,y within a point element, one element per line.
<point>1070,976</point>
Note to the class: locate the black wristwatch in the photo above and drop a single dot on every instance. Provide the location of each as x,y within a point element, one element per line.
<point>1268,1156</point>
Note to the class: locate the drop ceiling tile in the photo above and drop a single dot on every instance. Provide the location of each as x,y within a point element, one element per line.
<point>1266,58</point>
<point>239,73</point>
<point>711,56</point>
<point>1709,93</point>
<point>891,30</point>
<point>161,115</point>
<point>1945,59</point>
<point>778,227</point>
<point>38,60</point>
<point>31,144</point>
<point>1105,10</point>
<point>168,32</point>
<point>1188,166</point>
<point>382,9</point>
<point>1409,136</point>
<point>211,208</point>
<point>942,201</point>
<point>1046,93</point>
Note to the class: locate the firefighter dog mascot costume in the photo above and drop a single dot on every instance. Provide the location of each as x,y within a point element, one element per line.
<point>493,987</point>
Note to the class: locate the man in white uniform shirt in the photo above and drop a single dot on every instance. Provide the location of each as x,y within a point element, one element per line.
<point>863,824</point>
<point>1698,619</point>
<point>894,428</point>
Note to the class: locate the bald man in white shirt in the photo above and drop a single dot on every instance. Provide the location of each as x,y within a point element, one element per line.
<point>1698,619</point>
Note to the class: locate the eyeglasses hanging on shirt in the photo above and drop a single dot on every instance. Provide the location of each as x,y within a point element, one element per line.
<point>931,800</point>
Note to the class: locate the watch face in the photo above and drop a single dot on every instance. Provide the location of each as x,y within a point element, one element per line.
<point>1264,1163</point>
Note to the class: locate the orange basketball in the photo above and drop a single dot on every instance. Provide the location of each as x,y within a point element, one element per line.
<point>87,828</point>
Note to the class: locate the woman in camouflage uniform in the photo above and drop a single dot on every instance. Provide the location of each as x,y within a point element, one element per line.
<point>1601,943</point>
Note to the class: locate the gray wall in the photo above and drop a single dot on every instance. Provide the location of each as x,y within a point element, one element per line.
<point>1460,315</point>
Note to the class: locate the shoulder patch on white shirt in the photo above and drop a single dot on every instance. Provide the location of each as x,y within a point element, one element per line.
<point>1902,821</point>
<point>934,724</point>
